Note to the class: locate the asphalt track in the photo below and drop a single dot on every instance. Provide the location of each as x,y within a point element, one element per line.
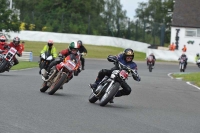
<point>157,104</point>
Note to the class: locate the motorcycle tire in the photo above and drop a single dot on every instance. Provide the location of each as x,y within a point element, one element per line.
<point>44,87</point>
<point>150,68</point>
<point>42,65</point>
<point>57,84</point>
<point>3,65</point>
<point>92,98</point>
<point>108,96</point>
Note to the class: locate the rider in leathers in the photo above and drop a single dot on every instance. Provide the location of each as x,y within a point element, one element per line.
<point>82,51</point>
<point>126,59</point>
<point>185,57</point>
<point>73,49</point>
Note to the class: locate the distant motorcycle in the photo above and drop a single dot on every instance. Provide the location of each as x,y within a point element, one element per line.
<point>182,63</point>
<point>46,59</point>
<point>7,59</point>
<point>198,62</point>
<point>150,61</point>
<point>57,78</point>
<point>109,86</point>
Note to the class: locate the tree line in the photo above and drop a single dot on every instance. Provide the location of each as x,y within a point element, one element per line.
<point>93,17</point>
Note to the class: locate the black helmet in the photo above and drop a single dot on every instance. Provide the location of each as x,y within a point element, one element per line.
<point>128,52</point>
<point>197,54</point>
<point>80,43</point>
<point>16,41</point>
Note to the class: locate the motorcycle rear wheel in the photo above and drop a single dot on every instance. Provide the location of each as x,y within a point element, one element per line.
<point>56,85</point>
<point>108,96</point>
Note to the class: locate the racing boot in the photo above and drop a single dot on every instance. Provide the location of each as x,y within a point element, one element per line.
<point>111,101</point>
<point>95,84</point>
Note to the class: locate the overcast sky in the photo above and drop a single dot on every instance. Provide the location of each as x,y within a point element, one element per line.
<point>130,6</point>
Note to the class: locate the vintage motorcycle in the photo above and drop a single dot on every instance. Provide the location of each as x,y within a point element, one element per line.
<point>46,59</point>
<point>56,78</point>
<point>109,86</point>
<point>150,61</point>
<point>6,59</point>
<point>182,64</point>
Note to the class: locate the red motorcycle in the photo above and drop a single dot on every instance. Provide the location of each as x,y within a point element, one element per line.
<point>7,59</point>
<point>150,62</point>
<point>58,76</point>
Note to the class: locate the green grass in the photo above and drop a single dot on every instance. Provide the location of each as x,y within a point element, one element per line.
<point>191,77</point>
<point>93,51</point>
<point>24,65</point>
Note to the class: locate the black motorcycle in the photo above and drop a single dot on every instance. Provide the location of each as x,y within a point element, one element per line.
<point>109,86</point>
<point>46,59</point>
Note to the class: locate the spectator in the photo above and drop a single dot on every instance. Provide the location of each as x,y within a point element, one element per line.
<point>172,47</point>
<point>184,49</point>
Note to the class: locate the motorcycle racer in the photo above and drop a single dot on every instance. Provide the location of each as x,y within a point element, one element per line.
<point>184,56</point>
<point>48,48</point>
<point>15,44</point>
<point>2,42</point>
<point>126,59</point>
<point>154,59</point>
<point>73,49</point>
<point>83,51</point>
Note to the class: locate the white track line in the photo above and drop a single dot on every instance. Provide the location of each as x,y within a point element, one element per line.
<point>193,85</point>
<point>169,75</point>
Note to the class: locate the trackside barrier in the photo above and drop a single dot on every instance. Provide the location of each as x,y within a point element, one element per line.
<point>26,56</point>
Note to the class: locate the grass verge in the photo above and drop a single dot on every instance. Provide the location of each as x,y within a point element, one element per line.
<point>94,51</point>
<point>191,77</point>
<point>24,65</point>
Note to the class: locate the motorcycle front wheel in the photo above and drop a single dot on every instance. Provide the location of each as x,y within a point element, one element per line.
<point>3,65</point>
<point>92,98</point>
<point>150,67</point>
<point>57,84</point>
<point>108,96</point>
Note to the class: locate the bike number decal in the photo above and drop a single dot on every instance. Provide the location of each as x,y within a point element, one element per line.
<point>12,51</point>
<point>70,65</point>
<point>123,74</point>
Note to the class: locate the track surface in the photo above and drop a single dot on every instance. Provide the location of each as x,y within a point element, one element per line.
<point>158,104</point>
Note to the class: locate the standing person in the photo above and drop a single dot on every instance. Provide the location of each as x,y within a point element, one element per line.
<point>126,59</point>
<point>172,47</point>
<point>184,49</point>
<point>83,51</point>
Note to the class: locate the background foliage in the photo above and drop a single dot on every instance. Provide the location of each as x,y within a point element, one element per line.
<point>97,17</point>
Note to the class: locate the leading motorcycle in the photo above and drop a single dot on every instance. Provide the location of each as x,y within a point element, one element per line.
<point>109,86</point>
<point>56,78</point>
<point>7,59</point>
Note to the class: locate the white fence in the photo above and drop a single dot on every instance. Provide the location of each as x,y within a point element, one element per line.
<point>26,56</point>
<point>161,53</point>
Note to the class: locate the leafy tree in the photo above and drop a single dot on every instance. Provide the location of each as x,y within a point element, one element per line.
<point>9,18</point>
